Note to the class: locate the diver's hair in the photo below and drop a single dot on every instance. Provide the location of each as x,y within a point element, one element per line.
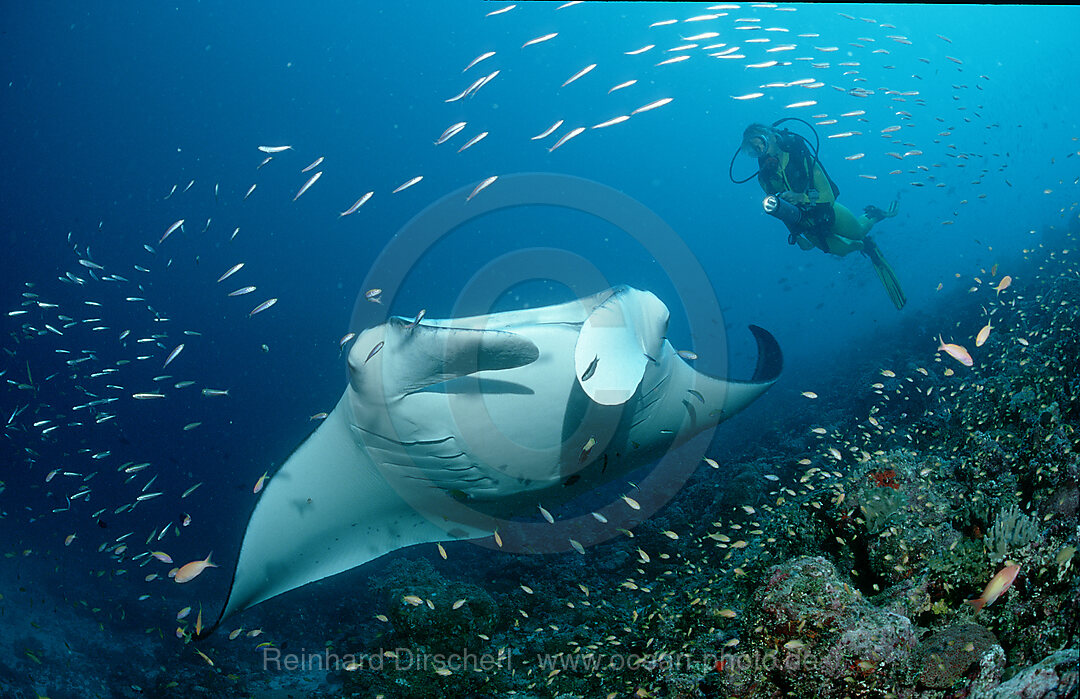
<point>756,129</point>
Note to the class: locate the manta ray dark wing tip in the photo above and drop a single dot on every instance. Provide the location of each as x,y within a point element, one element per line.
<point>770,361</point>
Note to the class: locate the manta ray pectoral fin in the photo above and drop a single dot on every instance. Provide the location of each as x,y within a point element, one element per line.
<point>326,510</point>
<point>770,361</point>
<point>417,356</point>
<point>616,342</point>
<point>733,395</point>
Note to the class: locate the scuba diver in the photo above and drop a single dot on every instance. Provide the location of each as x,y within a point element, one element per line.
<point>803,196</point>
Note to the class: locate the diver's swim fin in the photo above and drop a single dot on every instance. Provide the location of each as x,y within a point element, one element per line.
<point>885,273</point>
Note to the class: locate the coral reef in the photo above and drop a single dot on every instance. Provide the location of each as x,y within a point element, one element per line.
<point>955,651</point>
<point>1052,677</point>
<point>879,505</point>
<point>1012,530</point>
<point>435,622</point>
<point>828,636</point>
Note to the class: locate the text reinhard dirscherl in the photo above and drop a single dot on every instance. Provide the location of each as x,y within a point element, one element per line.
<point>407,659</point>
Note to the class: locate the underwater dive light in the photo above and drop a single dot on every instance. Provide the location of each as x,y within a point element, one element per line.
<point>781,209</point>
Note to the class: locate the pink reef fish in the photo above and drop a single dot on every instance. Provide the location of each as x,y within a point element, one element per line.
<point>957,352</point>
<point>996,587</point>
<point>192,570</point>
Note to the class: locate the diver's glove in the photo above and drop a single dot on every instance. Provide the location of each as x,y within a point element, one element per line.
<point>792,238</point>
<point>875,214</point>
<point>796,198</point>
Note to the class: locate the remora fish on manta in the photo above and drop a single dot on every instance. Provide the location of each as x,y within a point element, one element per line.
<point>457,422</point>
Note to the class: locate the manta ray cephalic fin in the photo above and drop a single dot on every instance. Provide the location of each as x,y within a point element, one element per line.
<point>414,357</point>
<point>616,343</point>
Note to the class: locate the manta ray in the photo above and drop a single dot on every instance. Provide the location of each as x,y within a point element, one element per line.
<point>448,426</point>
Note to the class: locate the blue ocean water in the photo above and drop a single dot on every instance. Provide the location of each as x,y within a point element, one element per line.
<point>107,109</point>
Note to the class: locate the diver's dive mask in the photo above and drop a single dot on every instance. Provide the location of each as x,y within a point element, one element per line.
<point>756,142</point>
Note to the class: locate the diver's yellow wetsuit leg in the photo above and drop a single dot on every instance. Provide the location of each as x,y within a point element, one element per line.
<point>848,234</point>
<point>847,231</point>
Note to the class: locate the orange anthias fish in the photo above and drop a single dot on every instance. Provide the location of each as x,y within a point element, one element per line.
<point>1003,284</point>
<point>996,587</point>
<point>190,571</point>
<point>957,352</point>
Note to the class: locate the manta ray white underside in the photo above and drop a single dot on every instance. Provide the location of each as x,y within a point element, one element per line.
<point>448,425</point>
